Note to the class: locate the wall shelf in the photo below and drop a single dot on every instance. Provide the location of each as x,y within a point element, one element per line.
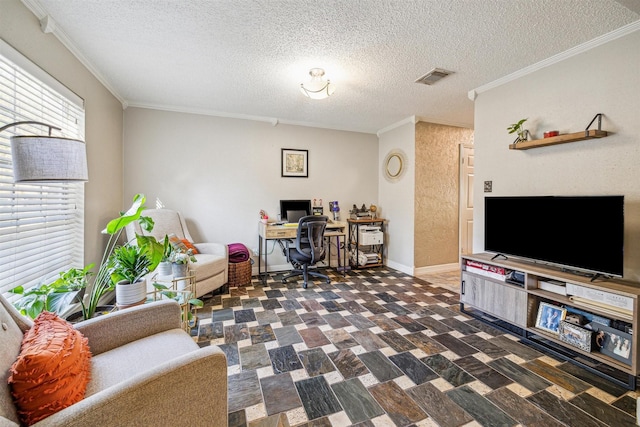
<point>560,139</point>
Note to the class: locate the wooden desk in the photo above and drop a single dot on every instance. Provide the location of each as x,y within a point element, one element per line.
<point>268,232</point>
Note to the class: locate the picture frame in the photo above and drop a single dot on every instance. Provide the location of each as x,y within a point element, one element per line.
<point>549,317</point>
<point>294,163</point>
<point>612,342</point>
<point>575,335</point>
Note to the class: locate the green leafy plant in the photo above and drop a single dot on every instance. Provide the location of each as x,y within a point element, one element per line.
<point>518,129</point>
<point>129,263</point>
<point>54,296</point>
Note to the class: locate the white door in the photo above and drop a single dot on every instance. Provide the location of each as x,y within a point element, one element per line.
<point>466,199</point>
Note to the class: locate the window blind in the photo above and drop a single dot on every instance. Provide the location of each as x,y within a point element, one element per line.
<point>41,225</point>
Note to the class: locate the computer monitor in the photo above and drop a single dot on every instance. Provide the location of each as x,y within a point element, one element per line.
<point>293,210</point>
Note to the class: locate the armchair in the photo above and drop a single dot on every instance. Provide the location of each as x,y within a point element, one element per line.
<point>212,266</point>
<point>308,249</point>
<point>144,371</point>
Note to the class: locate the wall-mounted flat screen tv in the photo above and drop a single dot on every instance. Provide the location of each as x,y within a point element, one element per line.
<point>582,233</point>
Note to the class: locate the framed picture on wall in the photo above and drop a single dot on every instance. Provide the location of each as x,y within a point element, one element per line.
<point>295,163</point>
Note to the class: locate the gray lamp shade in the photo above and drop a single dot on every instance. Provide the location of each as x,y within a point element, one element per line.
<point>48,159</point>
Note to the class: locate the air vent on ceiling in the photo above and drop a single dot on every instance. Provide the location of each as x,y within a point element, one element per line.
<point>433,76</point>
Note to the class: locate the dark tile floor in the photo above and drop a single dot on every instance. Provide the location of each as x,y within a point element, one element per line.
<point>381,348</point>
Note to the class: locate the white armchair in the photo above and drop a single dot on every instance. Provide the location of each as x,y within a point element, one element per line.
<point>212,266</point>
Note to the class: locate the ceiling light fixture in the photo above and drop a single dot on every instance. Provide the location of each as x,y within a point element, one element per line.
<point>433,76</point>
<point>47,158</point>
<point>317,87</point>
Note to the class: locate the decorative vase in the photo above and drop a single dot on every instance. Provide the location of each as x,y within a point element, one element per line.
<point>128,294</point>
<point>165,268</point>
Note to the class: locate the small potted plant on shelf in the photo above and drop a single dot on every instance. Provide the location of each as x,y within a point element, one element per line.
<point>180,259</point>
<point>519,130</point>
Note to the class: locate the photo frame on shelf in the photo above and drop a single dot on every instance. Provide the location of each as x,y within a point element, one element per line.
<point>575,335</point>
<point>549,317</point>
<point>295,163</point>
<point>612,342</point>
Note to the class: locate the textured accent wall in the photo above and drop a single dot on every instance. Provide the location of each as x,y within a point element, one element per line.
<point>436,193</point>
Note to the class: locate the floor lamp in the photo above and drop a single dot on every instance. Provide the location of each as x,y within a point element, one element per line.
<point>47,158</point>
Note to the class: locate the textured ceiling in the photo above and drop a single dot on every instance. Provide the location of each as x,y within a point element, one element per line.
<point>247,58</point>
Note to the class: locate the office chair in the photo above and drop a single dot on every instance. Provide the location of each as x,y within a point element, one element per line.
<point>309,248</point>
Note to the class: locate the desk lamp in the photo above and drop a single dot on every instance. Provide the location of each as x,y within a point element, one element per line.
<point>47,158</point>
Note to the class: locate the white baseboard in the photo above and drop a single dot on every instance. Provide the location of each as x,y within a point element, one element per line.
<point>400,267</point>
<point>435,269</point>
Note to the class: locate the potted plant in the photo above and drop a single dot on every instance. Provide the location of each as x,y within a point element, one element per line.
<point>180,261</point>
<point>518,129</point>
<point>164,267</point>
<point>55,296</point>
<point>129,264</point>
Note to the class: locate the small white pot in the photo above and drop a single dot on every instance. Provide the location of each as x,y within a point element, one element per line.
<point>131,293</point>
<point>164,269</point>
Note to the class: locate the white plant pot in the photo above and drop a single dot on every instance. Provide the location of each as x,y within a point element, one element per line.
<point>164,269</point>
<point>131,293</point>
<point>179,270</point>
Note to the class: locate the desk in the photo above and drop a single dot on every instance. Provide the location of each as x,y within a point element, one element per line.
<point>268,232</point>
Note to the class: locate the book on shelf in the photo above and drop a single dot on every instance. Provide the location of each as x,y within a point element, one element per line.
<point>486,270</point>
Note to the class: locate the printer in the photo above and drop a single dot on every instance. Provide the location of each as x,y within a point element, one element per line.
<point>370,235</point>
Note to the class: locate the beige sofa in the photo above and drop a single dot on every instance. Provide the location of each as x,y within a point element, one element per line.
<point>145,371</point>
<point>212,266</point>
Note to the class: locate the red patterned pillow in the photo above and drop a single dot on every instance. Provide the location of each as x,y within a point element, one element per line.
<point>52,369</point>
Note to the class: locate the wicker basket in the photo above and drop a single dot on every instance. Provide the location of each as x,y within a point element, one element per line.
<point>240,273</point>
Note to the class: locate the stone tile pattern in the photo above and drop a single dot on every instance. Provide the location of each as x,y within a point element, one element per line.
<point>378,347</point>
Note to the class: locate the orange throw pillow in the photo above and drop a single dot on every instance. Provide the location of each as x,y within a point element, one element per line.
<point>189,245</point>
<point>52,370</point>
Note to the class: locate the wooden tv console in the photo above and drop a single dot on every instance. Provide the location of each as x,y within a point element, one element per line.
<point>486,295</point>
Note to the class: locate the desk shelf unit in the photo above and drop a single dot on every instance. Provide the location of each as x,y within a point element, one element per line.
<point>375,253</point>
<point>514,308</point>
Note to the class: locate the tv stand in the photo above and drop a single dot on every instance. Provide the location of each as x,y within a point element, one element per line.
<point>486,295</point>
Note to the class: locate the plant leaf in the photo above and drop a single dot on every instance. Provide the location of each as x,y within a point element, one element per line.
<point>127,217</point>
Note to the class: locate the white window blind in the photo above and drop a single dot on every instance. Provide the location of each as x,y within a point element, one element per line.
<point>41,226</point>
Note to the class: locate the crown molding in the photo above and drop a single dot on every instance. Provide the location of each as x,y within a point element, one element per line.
<point>410,119</point>
<point>581,48</point>
<point>47,27</point>
<point>274,121</point>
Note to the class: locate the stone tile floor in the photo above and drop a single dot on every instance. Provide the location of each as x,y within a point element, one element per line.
<point>381,348</point>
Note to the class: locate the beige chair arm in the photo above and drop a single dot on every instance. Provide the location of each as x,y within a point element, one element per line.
<point>189,390</point>
<point>212,248</point>
<point>113,330</point>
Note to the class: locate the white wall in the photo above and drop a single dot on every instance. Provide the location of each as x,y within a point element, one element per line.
<point>566,96</point>
<point>221,172</point>
<point>396,199</point>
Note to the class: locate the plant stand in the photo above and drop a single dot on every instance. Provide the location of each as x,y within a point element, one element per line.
<point>181,289</point>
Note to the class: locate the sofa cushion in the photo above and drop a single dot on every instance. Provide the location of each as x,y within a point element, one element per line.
<point>52,369</point>
<point>121,363</point>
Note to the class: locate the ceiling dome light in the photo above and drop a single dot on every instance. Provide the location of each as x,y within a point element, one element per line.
<point>317,87</point>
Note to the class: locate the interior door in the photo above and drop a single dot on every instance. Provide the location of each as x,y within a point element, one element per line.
<point>466,199</point>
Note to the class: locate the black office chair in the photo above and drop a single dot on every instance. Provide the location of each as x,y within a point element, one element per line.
<point>309,248</point>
